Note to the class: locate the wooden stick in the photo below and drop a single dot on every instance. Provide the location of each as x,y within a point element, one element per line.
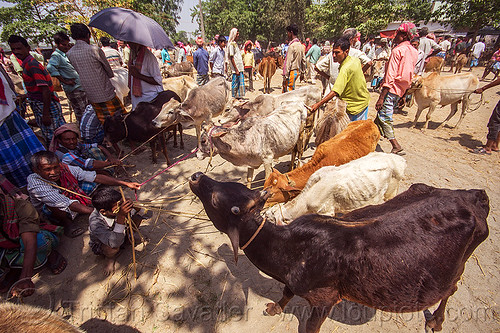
<point>65,189</point>
<point>131,230</point>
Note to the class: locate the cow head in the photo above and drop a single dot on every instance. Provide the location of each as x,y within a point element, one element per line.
<point>170,114</point>
<point>234,112</point>
<point>228,204</point>
<point>416,83</point>
<point>114,127</point>
<point>280,188</point>
<point>208,134</point>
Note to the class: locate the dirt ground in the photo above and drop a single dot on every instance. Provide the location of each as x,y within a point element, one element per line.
<point>188,280</point>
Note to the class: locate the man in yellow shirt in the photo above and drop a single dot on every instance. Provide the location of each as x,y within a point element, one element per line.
<point>350,85</point>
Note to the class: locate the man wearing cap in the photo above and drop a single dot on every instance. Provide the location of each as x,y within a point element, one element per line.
<point>200,61</point>
<point>397,79</point>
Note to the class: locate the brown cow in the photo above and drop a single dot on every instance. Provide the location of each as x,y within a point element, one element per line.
<point>359,139</point>
<point>435,64</point>
<point>460,63</point>
<point>267,68</point>
<point>401,256</point>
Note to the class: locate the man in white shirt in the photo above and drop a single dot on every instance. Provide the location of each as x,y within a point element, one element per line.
<point>445,46</point>
<point>428,46</point>
<point>477,50</point>
<point>146,79</point>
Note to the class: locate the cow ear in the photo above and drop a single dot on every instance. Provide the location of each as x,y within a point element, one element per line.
<point>185,117</point>
<point>290,188</point>
<point>234,236</point>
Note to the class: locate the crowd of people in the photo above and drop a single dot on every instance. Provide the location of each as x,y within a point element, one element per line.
<point>61,173</point>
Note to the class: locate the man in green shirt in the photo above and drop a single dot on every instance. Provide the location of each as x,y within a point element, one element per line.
<point>350,85</point>
<point>313,55</point>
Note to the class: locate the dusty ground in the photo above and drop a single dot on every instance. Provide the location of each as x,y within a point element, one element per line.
<point>187,278</point>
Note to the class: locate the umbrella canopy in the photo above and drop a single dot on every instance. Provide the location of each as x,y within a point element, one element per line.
<point>127,25</point>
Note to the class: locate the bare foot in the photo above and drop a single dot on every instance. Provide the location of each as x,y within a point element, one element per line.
<point>109,267</point>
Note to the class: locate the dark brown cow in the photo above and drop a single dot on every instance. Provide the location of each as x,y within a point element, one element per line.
<point>402,256</point>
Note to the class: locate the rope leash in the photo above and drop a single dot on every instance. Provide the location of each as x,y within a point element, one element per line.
<point>164,170</point>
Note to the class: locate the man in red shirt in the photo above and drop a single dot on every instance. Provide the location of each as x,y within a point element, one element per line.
<point>43,100</point>
<point>398,75</point>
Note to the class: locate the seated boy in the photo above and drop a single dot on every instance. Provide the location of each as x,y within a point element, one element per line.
<point>107,224</point>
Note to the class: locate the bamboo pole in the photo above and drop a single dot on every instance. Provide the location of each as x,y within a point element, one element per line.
<point>132,240</point>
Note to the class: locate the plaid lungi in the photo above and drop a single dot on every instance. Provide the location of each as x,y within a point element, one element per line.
<point>202,79</point>
<point>56,117</point>
<point>108,108</point>
<point>46,241</point>
<point>17,144</point>
<point>290,82</point>
<point>238,85</point>
<point>78,100</point>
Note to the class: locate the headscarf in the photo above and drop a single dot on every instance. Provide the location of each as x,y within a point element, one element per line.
<point>409,28</point>
<point>430,35</point>
<point>257,44</point>
<point>72,127</point>
<point>248,42</point>
<point>232,35</point>
<point>182,46</point>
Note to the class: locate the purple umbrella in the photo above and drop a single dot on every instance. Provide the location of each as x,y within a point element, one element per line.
<point>127,25</point>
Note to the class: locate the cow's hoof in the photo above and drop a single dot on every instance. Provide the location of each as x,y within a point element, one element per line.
<point>432,325</point>
<point>272,309</point>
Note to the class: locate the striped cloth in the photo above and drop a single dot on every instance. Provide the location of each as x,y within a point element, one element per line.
<point>238,85</point>
<point>36,76</point>
<point>17,144</point>
<point>56,117</point>
<point>108,108</point>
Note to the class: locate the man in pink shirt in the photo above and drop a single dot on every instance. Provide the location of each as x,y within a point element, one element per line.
<point>398,75</point>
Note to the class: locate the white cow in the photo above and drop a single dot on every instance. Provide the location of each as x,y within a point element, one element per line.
<point>258,140</point>
<point>120,82</point>
<point>434,90</point>
<point>369,180</point>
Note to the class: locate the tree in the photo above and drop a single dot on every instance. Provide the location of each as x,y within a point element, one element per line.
<point>32,20</point>
<point>469,14</point>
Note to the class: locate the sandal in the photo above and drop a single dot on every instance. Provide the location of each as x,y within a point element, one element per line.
<point>481,151</point>
<point>399,152</point>
<point>57,265</point>
<point>72,231</point>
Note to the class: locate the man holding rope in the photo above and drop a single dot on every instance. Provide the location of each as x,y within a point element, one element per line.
<point>61,192</point>
<point>493,137</point>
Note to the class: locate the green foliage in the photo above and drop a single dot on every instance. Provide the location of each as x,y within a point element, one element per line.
<point>35,21</point>
<point>469,14</point>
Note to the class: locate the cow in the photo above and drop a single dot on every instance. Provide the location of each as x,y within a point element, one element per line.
<point>181,85</point>
<point>435,64</point>
<point>333,120</point>
<point>460,62</point>
<point>18,83</point>
<point>358,139</point>
<point>267,68</point>
<point>404,255</point>
<point>120,82</point>
<point>202,103</point>
<point>138,126</point>
<point>264,104</point>
<point>179,69</point>
<point>27,318</point>
<point>369,180</point>
<point>434,90</point>
<point>258,140</point>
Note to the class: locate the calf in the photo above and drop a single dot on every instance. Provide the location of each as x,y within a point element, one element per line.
<point>267,68</point>
<point>402,256</point>
<point>179,69</point>
<point>369,180</point>
<point>359,139</point>
<point>460,62</point>
<point>138,126</point>
<point>202,103</point>
<point>435,90</point>
<point>258,140</point>
<point>435,64</point>
<point>332,121</point>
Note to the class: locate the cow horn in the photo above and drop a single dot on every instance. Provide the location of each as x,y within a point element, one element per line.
<point>234,237</point>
